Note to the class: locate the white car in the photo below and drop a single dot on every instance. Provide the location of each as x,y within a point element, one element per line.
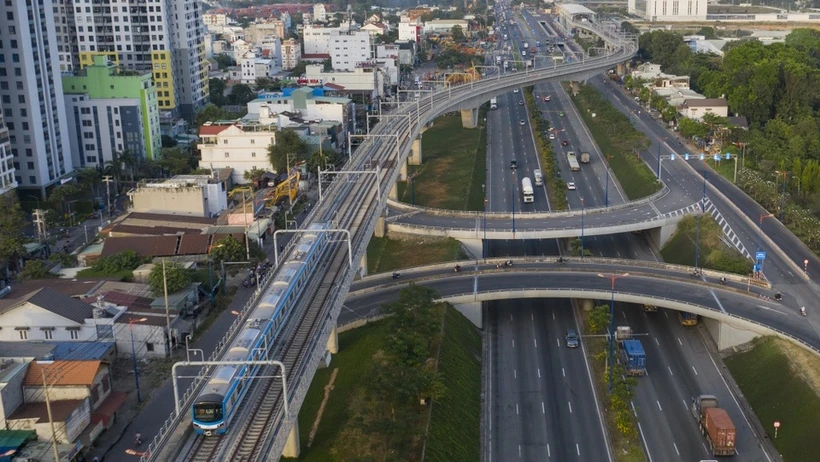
<point>552,136</point>
<point>515,90</point>
<point>571,186</point>
<point>521,122</point>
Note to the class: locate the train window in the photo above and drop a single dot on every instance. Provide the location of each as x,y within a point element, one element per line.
<point>208,412</point>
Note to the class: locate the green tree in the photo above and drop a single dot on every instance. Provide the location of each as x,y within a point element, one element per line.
<point>458,34</point>
<point>127,260</point>
<point>241,94</point>
<point>691,128</point>
<point>644,95</point>
<point>266,84</point>
<point>176,161</point>
<point>598,320</point>
<point>12,224</point>
<point>224,61</point>
<point>36,269</point>
<point>210,113</point>
<point>289,145</point>
<point>168,142</point>
<point>669,113</point>
<point>175,276</point>
<point>216,90</point>
<point>253,174</point>
<point>65,259</point>
<point>228,249</point>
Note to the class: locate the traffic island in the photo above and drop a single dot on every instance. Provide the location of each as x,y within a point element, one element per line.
<point>619,142</point>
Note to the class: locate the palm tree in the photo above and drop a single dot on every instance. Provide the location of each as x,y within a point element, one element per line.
<point>130,161</point>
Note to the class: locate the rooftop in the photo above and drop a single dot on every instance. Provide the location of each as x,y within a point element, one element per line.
<point>62,373</point>
<point>51,300</point>
<point>706,102</point>
<point>573,8</point>
<point>60,410</point>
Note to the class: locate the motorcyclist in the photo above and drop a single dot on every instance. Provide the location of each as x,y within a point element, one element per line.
<point>138,438</point>
<point>803,310</point>
<point>722,280</point>
<point>457,268</point>
<point>395,275</point>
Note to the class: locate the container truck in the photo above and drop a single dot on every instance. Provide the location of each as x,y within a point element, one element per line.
<point>526,190</point>
<point>493,103</point>
<point>634,357</point>
<point>584,157</point>
<point>573,162</point>
<point>687,319</point>
<point>539,180</point>
<point>715,424</point>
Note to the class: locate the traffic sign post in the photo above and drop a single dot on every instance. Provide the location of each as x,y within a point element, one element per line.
<point>776,427</point>
<point>760,255</point>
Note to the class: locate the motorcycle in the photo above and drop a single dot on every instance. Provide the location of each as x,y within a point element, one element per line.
<point>803,310</point>
<point>396,275</point>
<point>457,269</point>
<point>138,440</point>
<point>723,280</point>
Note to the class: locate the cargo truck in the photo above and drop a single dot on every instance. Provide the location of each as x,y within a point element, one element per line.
<point>539,179</point>
<point>634,357</point>
<point>584,157</point>
<point>573,162</point>
<point>715,424</point>
<point>493,103</point>
<point>526,190</point>
<point>687,319</point>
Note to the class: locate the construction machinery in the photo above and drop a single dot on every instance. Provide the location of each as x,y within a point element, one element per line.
<point>286,189</point>
<point>468,75</point>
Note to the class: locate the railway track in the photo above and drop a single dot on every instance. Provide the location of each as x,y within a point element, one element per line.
<point>350,205</point>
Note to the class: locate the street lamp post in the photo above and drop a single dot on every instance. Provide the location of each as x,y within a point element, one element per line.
<point>134,355</point>
<point>697,232</point>
<point>513,203</point>
<point>582,228</point>
<point>606,197</point>
<point>612,278</point>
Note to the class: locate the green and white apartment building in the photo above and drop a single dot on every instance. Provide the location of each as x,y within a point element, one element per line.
<point>108,111</point>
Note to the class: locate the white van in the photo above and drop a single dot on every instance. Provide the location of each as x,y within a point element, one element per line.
<point>539,180</point>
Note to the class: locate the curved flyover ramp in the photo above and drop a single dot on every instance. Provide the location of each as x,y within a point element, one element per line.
<point>668,286</point>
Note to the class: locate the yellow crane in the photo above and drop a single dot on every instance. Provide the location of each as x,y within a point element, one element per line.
<point>288,188</point>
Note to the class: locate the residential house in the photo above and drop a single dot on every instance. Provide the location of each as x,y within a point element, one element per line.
<point>697,108</point>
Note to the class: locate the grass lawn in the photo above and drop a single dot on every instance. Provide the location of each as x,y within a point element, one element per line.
<point>124,275</point>
<point>385,254</point>
<point>725,168</point>
<point>617,138</point>
<point>453,168</point>
<point>356,348</point>
<point>714,253</point>
<point>454,426</point>
<point>778,387</point>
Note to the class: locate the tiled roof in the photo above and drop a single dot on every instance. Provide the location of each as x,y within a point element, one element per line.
<point>60,410</point>
<point>145,246</point>
<point>129,301</point>
<point>125,230</point>
<point>62,373</point>
<point>51,300</point>
<point>707,102</point>
<point>210,130</point>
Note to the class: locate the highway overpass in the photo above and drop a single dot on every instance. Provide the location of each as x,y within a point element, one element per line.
<point>738,312</point>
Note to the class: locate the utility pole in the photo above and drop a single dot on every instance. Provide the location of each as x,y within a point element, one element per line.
<point>107,180</point>
<point>40,222</point>
<point>167,313</point>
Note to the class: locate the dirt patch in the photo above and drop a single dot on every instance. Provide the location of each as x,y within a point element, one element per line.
<point>328,389</point>
<point>805,364</point>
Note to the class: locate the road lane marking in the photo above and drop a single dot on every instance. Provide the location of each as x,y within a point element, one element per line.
<point>558,341</point>
<point>634,412</point>
<point>535,342</point>
<point>676,448</point>
<point>516,409</point>
<point>539,372</point>
<point>532,317</point>
<point>624,313</point>
<point>577,449</point>
<point>696,371</point>
<point>543,409</point>
<point>771,309</point>
<point>515,373</point>
<point>656,341</point>
<point>643,438</point>
<point>548,451</point>
<point>681,343</point>
<point>570,407</point>
<point>659,406</point>
<point>666,314</point>
<point>564,372</point>
<point>519,451</point>
<point>685,406</point>
<point>513,343</point>
<point>553,316</point>
<point>670,370</point>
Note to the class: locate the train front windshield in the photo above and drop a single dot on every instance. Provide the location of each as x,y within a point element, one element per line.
<point>208,412</point>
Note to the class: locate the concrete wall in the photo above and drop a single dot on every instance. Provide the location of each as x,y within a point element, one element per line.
<point>187,201</point>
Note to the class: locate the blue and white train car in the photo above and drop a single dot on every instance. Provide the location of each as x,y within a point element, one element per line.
<point>216,405</point>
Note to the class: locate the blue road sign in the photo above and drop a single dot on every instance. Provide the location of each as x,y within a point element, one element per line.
<point>757,268</point>
<point>760,255</point>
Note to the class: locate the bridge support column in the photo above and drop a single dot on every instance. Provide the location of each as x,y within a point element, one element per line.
<point>660,235</point>
<point>333,341</point>
<point>363,266</point>
<point>292,447</point>
<point>587,304</point>
<point>381,228</point>
<point>415,152</point>
<point>471,311</point>
<point>473,247</point>
<point>403,171</point>
<point>726,335</point>
<point>394,192</point>
<point>469,118</point>
<point>566,245</point>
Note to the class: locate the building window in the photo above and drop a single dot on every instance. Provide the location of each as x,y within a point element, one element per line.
<point>224,141</point>
<point>149,346</point>
<point>253,154</point>
<point>23,334</point>
<point>75,334</point>
<point>227,154</point>
<point>48,335</point>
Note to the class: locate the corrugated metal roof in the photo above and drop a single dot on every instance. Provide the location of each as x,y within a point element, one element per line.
<point>62,373</point>
<point>51,300</point>
<point>146,246</point>
<point>193,244</point>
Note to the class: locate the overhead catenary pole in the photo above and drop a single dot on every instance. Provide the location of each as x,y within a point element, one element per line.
<point>167,312</point>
